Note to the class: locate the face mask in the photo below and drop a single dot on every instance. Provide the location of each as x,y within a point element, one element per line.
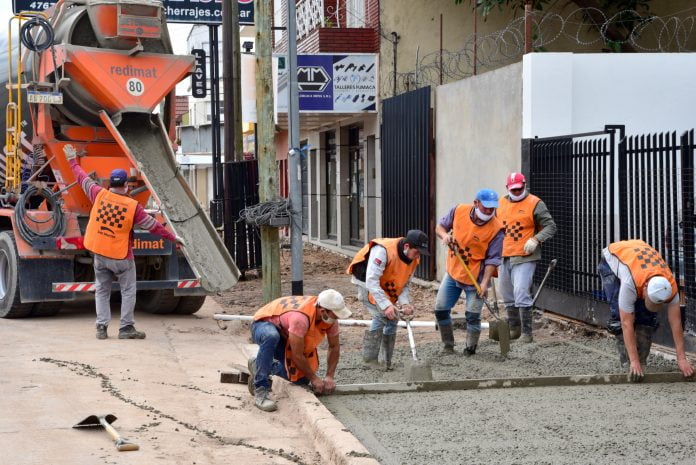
<point>327,319</point>
<point>482,216</point>
<point>517,198</point>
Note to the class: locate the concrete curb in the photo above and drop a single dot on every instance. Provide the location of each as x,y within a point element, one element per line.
<point>334,442</point>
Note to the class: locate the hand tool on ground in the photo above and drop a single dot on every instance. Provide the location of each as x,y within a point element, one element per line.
<point>499,326</point>
<point>552,265</point>
<point>104,421</point>
<point>416,370</point>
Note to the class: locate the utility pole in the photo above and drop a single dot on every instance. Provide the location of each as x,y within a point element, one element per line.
<point>232,111</point>
<point>268,184</point>
<point>528,26</point>
<point>294,154</point>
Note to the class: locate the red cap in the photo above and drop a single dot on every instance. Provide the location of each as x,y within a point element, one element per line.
<point>515,181</point>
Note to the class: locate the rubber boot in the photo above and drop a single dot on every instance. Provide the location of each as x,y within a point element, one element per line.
<point>371,345</point>
<point>447,335</point>
<point>472,339</point>
<point>513,317</point>
<point>387,350</point>
<point>644,335</point>
<point>526,317</point>
<point>621,349</point>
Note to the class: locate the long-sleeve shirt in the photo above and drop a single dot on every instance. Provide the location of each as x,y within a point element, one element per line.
<point>141,218</point>
<point>376,264</point>
<point>547,229</point>
<point>494,251</point>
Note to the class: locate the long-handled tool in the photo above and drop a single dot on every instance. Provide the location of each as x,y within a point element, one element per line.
<point>552,265</point>
<point>104,421</point>
<point>500,327</point>
<point>417,370</point>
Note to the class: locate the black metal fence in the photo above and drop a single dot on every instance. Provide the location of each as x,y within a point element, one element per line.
<point>602,187</point>
<point>408,169</point>
<point>242,241</point>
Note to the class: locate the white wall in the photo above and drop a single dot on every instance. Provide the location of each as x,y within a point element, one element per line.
<point>566,93</point>
<point>478,123</point>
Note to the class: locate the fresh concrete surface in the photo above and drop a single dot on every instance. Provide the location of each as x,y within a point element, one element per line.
<point>165,391</point>
<point>621,424</point>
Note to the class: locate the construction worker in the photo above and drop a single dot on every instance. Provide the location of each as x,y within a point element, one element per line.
<point>288,331</point>
<point>528,224</point>
<point>109,236</point>
<point>476,234</point>
<point>638,283</point>
<point>382,271</point>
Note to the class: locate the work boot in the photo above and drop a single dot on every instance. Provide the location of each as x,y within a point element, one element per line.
<point>644,335</point>
<point>129,332</point>
<point>621,349</point>
<point>251,365</point>
<point>371,345</point>
<point>263,401</point>
<point>101,332</point>
<point>513,318</point>
<point>527,319</point>
<point>447,335</point>
<point>387,350</point>
<point>472,338</point>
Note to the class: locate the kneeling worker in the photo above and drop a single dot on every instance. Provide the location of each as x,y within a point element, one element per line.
<point>288,331</point>
<point>382,270</point>
<point>638,283</point>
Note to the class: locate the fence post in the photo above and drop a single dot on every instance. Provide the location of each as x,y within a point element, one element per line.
<point>688,223</point>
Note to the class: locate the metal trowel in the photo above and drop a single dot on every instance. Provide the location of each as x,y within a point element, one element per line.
<point>416,370</point>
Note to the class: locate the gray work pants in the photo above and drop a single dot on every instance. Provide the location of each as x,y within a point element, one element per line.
<point>516,283</point>
<point>105,271</point>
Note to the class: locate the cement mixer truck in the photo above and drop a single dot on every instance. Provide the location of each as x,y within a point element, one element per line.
<point>91,73</point>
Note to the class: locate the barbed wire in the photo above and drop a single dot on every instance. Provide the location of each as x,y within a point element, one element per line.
<point>261,214</point>
<point>586,27</point>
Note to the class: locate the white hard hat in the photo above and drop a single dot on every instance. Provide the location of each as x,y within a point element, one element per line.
<point>659,291</point>
<point>332,300</point>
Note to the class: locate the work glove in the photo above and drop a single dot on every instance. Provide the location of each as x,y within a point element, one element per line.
<point>530,246</point>
<point>70,152</point>
<point>635,374</point>
<point>407,310</point>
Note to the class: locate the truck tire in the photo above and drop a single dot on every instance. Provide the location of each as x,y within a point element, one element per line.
<point>46,308</point>
<point>10,304</point>
<point>160,301</point>
<point>189,304</point>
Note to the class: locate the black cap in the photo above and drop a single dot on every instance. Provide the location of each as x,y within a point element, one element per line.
<point>418,239</point>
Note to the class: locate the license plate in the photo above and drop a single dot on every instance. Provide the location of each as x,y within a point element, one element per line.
<point>54,98</point>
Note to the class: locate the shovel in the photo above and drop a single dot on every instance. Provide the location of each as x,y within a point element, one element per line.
<point>99,421</point>
<point>417,370</point>
<point>500,327</point>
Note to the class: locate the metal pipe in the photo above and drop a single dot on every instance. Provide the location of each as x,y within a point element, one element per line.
<point>294,154</point>
<point>402,324</point>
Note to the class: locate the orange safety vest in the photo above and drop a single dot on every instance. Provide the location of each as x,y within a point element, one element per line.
<point>396,273</point>
<point>473,243</point>
<point>643,262</point>
<point>110,224</point>
<point>518,221</point>
<point>315,334</point>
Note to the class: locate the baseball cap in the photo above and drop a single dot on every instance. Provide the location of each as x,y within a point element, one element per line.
<point>118,178</point>
<point>659,291</point>
<point>488,198</point>
<point>332,300</point>
<point>418,239</point>
<point>515,181</point>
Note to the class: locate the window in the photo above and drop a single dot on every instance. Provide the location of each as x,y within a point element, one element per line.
<point>355,14</point>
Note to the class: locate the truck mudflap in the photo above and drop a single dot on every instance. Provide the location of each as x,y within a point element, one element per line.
<point>181,287</point>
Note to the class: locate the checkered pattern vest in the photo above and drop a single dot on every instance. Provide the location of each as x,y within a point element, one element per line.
<point>396,273</point>
<point>643,262</point>
<point>110,224</point>
<point>518,221</point>
<point>315,334</point>
<point>473,243</point>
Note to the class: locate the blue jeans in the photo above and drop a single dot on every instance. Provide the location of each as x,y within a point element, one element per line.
<point>611,286</point>
<point>270,359</point>
<point>447,296</point>
<point>379,321</point>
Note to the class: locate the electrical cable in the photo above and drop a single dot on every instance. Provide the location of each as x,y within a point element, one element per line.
<point>262,213</point>
<point>27,37</point>
<point>21,215</point>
